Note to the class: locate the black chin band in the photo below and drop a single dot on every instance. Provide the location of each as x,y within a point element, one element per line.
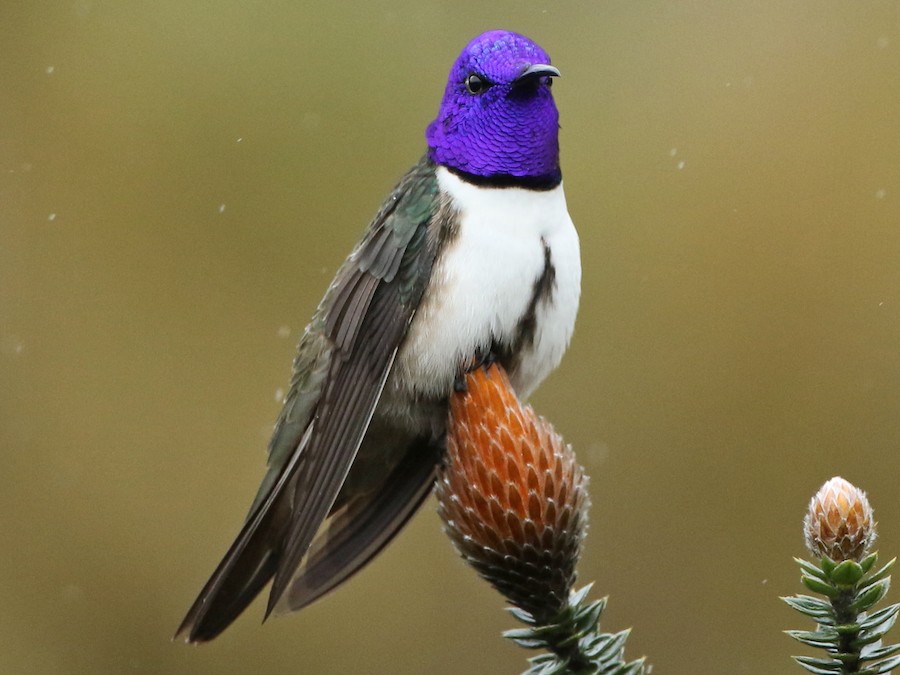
<point>506,180</point>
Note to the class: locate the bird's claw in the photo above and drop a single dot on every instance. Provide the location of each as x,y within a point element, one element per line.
<point>483,358</point>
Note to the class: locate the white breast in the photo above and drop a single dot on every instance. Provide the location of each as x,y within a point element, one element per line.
<point>483,282</point>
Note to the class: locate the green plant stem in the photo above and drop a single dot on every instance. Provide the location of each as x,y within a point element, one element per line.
<point>573,641</point>
<point>579,663</point>
<point>844,615</point>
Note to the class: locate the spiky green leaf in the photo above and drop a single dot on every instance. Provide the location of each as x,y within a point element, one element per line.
<point>867,638</point>
<point>886,666</point>
<point>577,597</point>
<point>819,586</point>
<point>880,653</point>
<point>528,643</point>
<point>521,615</point>
<point>610,648</point>
<point>823,639</point>
<point>882,620</point>
<point>819,666</point>
<point>827,564</point>
<point>870,595</point>
<point>880,574</point>
<point>813,607</point>
<point>848,573</point>
<point>634,668</point>
<point>587,619</point>
<point>810,569</point>
<point>869,561</point>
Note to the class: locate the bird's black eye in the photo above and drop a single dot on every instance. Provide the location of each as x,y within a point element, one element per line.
<point>475,84</point>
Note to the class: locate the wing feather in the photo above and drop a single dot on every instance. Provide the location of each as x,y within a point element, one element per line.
<point>343,361</point>
<point>353,310</point>
<point>363,527</point>
<point>328,462</point>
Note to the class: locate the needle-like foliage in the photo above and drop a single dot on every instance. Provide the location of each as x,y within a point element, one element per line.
<point>839,528</point>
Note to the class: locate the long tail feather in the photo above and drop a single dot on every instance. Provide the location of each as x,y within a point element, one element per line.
<point>249,564</point>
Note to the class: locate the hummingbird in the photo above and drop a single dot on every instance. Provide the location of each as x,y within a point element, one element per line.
<point>472,258</point>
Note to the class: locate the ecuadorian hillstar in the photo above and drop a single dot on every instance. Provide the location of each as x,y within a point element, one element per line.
<point>472,257</point>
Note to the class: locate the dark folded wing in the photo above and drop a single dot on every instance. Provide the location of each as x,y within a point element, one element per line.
<point>342,363</point>
<point>366,522</point>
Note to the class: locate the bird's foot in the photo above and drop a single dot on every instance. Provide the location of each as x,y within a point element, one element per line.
<point>483,358</point>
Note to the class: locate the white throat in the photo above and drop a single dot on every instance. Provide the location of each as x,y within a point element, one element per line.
<point>483,284</point>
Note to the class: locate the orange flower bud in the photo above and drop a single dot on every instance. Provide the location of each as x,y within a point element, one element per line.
<point>840,523</point>
<point>512,496</point>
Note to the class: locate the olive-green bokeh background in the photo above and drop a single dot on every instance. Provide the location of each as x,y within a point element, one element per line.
<point>178,182</point>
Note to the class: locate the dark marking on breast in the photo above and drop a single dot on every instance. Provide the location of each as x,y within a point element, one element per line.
<point>542,292</point>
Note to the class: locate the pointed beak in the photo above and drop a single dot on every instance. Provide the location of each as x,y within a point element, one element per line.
<point>536,70</point>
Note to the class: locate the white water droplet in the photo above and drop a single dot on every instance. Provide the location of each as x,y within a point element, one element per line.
<point>50,70</point>
<point>83,7</point>
<point>221,208</point>
<point>11,346</point>
<point>279,395</point>
<point>597,452</point>
<point>681,165</point>
<point>51,217</point>
<point>673,152</point>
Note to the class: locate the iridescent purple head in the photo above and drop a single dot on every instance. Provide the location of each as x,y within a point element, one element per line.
<point>498,120</point>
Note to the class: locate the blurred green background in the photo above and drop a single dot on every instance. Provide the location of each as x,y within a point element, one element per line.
<point>179,181</point>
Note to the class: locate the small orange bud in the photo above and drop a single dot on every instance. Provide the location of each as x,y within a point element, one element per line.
<point>512,495</point>
<point>840,523</point>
